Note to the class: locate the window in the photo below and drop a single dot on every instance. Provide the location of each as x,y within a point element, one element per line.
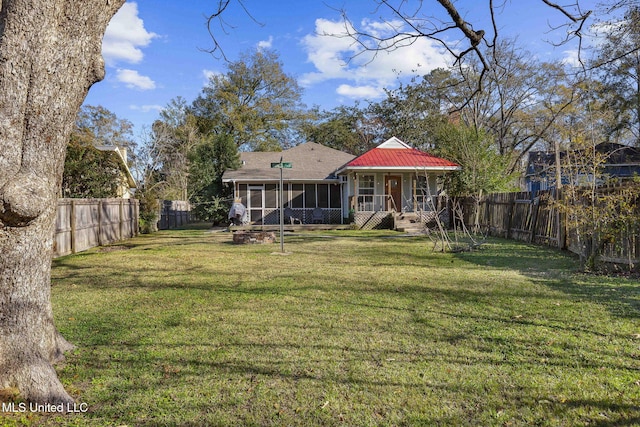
<point>422,186</point>
<point>366,190</point>
<point>366,184</point>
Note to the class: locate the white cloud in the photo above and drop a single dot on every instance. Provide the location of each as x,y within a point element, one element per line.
<point>125,36</point>
<point>359,92</point>
<point>572,58</point>
<point>336,56</point>
<point>133,80</point>
<point>266,44</point>
<point>209,74</point>
<point>146,108</point>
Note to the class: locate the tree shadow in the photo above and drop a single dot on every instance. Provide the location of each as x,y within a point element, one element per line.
<point>559,270</point>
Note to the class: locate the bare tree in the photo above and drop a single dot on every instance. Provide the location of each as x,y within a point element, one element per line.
<point>50,54</point>
<point>442,22</point>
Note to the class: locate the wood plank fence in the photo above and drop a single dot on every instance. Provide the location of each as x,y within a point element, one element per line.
<point>517,216</point>
<point>536,219</point>
<point>85,223</point>
<point>174,213</point>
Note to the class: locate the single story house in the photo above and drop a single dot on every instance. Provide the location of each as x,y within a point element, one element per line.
<point>372,189</point>
<point>618,161</point>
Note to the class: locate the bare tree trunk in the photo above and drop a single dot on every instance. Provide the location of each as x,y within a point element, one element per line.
<point>50,55</point>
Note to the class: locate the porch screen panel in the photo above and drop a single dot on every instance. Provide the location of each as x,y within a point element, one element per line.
<point>323,195</point>
<point>271,196</point>
<point>256,197</point>
<point>297,196</point>
<point>287,195</point>
<point>242,193</point>
<point>334,194</point>
<point>310,196</point>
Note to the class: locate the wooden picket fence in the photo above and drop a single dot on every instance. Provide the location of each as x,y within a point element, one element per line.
<point>82,224</point>
<point>536,219</point>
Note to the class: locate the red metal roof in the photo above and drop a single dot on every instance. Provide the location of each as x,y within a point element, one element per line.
<point>399,158</point>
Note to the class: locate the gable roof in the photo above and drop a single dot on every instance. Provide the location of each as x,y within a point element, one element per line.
<point>310,162</point>
<point>395,154</point>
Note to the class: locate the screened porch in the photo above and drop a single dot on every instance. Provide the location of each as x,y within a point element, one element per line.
<point>263,201</point>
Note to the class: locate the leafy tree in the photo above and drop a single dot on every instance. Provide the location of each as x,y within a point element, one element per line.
<point>349,129</point>
<point>209,161</point>
<point>483,169</point>
<point>89,172</point>
<point>99,126</point>
<point>255,102</point>
<point>413,110</point>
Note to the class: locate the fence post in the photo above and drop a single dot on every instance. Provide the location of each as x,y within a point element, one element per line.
<point>99,222</point>
<point>72,223</point>
<point>534,218</point>
<point>510,212</point>
<point>560,217</point>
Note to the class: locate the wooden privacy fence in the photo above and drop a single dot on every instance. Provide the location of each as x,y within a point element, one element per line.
<point>517,216</point>
<point>82,224</point>
<point>174,213</point>
<point>536,219</point>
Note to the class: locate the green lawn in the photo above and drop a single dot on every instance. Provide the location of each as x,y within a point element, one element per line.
<point>353,328</point>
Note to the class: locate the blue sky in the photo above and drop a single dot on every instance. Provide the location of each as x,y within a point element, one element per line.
<point>154,49</point>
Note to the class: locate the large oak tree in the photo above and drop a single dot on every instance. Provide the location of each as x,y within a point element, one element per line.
<point>50,55</point>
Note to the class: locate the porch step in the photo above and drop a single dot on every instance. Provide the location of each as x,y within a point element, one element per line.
<point>408,223</point>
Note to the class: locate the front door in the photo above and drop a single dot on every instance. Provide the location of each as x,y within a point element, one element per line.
<point>393,188</point>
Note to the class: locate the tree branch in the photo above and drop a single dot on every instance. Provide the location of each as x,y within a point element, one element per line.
<point>223,5</point>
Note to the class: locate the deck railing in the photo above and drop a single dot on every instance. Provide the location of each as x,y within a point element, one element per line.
<point>373,203</point>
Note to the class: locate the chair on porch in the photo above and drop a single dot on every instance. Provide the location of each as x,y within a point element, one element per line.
<point>290,217</point>
<point>317,216</point>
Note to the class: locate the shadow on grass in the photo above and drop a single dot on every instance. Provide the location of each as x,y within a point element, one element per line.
<point>160,365</point>
<point>351,336</point>
<point>558,270</point>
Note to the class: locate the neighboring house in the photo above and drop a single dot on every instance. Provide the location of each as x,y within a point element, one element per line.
<point>393,181</point>
<point>127,183</point>
<point>619,161</point>
<point>310,183</point>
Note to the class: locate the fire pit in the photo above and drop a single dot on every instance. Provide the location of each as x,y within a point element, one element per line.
<point>254,237</point>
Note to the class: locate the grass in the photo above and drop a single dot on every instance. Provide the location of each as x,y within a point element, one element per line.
<point>182,328</point>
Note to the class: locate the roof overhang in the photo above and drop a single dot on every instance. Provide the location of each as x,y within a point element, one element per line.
<point>397,169</point>
<point>277,180</point>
